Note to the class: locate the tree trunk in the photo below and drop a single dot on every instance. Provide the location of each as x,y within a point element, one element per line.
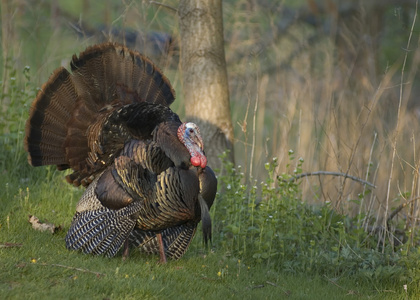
<point>204,75</point>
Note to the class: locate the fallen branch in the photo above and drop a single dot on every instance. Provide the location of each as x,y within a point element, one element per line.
<point>399,208</point>
<point>294,178</point>
<point>74,268</point>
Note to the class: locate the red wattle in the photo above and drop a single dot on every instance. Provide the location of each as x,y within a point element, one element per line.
<point>195,161</point>
<point>203,162</point>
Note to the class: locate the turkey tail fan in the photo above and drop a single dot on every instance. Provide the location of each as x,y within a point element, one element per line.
<point>176,240</point>
<point>112,72</point>
<point>101,231</point>
<point>103,78</point>
<point>46,128</point>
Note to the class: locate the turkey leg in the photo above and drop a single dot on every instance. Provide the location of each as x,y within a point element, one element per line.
<point>161,248</point>
<point>126,250</point>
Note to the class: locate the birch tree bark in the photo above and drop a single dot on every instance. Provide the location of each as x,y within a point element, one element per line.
<point>204,75</point>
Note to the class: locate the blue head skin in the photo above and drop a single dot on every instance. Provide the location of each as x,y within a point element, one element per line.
<point>189,135</point>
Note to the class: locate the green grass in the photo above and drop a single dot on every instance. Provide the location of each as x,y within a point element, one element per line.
<point>40,266</point>
<point>43,268</point>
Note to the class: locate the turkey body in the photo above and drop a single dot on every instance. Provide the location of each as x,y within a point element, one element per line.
<point>145,171</point>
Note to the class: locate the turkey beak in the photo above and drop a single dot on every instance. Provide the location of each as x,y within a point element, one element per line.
<point>200,145</point>
<point>199,141</point>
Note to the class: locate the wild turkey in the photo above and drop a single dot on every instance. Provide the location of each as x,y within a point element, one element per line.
<point>146,172</point>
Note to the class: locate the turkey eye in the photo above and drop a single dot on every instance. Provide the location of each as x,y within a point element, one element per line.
<point>191,130</point>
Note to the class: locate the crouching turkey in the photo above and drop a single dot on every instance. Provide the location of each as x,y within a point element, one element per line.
<point>146,173</point>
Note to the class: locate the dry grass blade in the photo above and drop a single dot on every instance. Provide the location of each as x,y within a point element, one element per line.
<point>73,268</point>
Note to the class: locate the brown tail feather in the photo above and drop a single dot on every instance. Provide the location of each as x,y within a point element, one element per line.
<point>51,110</point>
<point>112,70</point>
<point>110,76</point>
<point>152,86</point>
<point>66,118</point>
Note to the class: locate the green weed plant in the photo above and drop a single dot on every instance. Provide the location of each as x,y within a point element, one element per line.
<point>270,224</point>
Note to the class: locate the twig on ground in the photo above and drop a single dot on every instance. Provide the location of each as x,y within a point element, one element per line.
<point>74,268</point>
<point>317,173</point>
<point>350,292</point>
<point>10,245</point>
<point>271,283</point>
<point>287,293</point>
<point>258,286</point>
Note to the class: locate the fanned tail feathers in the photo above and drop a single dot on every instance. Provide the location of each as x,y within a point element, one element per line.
<point>46,128</point>
<point>103,78</point>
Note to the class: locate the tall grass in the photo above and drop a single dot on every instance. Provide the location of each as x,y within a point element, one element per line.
<point>301,93</point>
